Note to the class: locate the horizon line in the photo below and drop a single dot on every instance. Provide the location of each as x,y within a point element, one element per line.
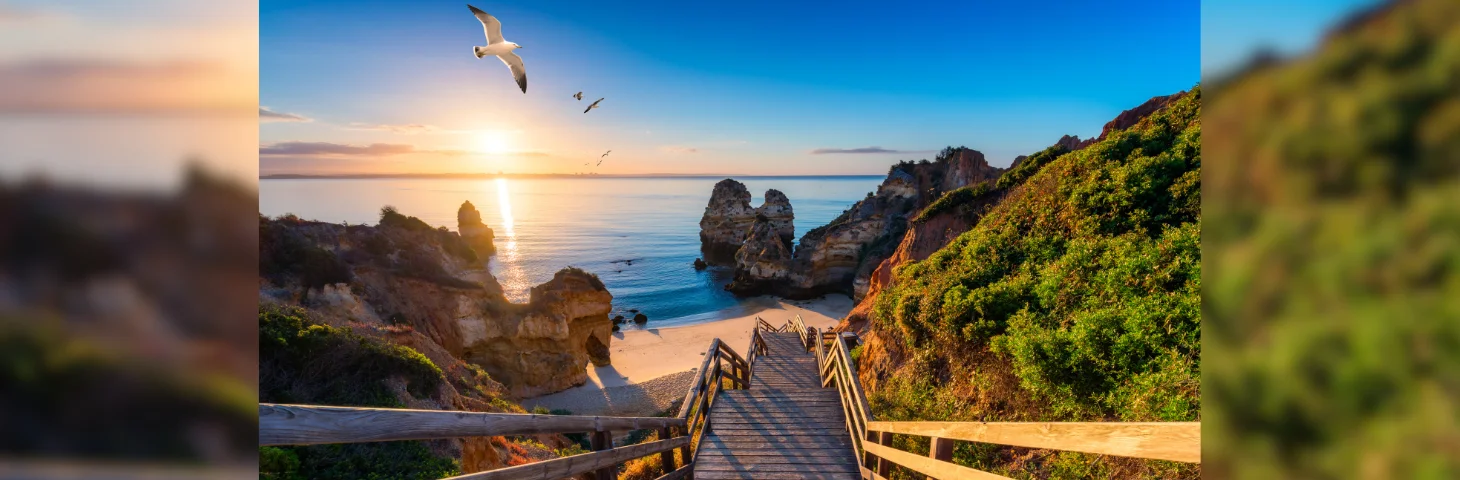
<point>362,176</point>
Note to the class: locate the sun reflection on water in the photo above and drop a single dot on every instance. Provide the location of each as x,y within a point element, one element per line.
<point>510,272</point>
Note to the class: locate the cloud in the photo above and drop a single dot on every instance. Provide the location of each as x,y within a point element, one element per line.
<point>84,86</point>
<point>270,116</point>
<point>326,148</point>
<point>831,151</point>
<point>678,149</point>
<point>406,129</point>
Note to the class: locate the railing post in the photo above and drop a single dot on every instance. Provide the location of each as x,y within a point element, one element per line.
<point>603,440</point>
<point>881,465</point>
<point>666,458</point>
<point>941,449</point>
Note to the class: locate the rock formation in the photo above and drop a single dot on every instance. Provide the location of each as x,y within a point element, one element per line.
<point>415,279</point>
<point>840,256</point>
<point>477,234</point>
<point>729,216</point>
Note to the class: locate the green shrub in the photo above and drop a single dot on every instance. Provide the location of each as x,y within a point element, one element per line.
<point>1084,283</point>
<point>959,199</point>
<point>389,217</point>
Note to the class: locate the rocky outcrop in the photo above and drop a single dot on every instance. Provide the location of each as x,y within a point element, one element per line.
<point>763,264</point>
<point>398,277</point>
<point>841,256</point>
<point>477,234</point>
<point>776,211</point>
<point>729,216</point>
<point>1133,116</point>
<point>725,222</point>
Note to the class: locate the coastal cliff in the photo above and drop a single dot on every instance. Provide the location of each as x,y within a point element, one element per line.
<point>405,274</point>
<point>1066,289</point>
<point>841,256</point>
<point>477,234</point>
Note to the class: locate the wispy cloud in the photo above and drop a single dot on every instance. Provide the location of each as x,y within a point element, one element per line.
<point>270,116</point>
<point>327,149</point>
<point>832,151</point>
<point>678,149</point>
<point>405,129</point>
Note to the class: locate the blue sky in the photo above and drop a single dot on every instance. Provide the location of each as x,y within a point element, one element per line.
<point>705,87</point>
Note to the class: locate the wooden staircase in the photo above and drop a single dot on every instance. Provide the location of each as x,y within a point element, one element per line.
<point>791,408</point>
<point>784,426</point>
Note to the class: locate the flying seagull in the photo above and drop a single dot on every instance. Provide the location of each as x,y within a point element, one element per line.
<point>605,154</point>
<point>499,47</point>
<point>578,96</point>
<point>593,106</point>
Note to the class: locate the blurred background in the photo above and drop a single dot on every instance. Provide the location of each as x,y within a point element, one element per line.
<point>128,249</point>
<point>1331,239</point>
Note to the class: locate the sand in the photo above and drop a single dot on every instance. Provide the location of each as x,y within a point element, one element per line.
<point>652,366</point>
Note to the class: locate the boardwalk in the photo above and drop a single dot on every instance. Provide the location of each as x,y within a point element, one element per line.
<point>784,426</point>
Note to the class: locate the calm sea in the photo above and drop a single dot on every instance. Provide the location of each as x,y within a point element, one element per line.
<point>640,235</point>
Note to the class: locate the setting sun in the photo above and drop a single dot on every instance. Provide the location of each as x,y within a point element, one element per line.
<point>493,142</point>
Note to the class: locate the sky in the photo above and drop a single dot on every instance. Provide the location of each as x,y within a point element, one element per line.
<point>754,87</point>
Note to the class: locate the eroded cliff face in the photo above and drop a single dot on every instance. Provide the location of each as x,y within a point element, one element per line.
<point>726,222</point>
<point>369,277</point>
<point>841,256</point>
<point>729,217</point>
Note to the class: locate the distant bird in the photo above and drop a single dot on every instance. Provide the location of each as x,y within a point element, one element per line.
<point>605,154</point>
<point>593,106</point>
<point>578,96</point>
<point>499,47</point>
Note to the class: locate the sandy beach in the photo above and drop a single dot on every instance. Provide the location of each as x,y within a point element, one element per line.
<point>651,365</point>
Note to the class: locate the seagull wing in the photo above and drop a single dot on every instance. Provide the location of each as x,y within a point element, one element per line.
<point>594,105</point>
<point>490,24</point>
<point>519,72</point>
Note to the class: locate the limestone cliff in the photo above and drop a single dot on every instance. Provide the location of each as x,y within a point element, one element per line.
<point>841,256</point>
<point>728,218</point>
<point>422,279</point>
<point>476,233</point>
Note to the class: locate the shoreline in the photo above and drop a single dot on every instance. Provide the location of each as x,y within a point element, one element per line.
<point>651,366</point>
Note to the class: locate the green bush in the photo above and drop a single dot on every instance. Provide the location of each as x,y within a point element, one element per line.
<point>301,361</point>
<point>389,217</point>
<point>957,199</point>
<point>1025,169</point>
<point>1086,281</point>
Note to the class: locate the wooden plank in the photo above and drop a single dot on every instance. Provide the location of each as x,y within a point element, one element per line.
<point>577,464</point>
<point>789,451</point>
<point>736,466</point>
<point>313,424</point>
<point>666,458</point>
<point>941,449</point>
<point>927,466</point>
<point>723,475</point>
<point>1175,441</point>
<point>694,386</point>
<point>682,472</point>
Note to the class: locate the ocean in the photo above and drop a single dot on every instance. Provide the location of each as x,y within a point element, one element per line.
<point>639,234</point>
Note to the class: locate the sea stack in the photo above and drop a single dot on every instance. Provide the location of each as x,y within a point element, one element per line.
<point>477,234</point>
<point>729,217</point>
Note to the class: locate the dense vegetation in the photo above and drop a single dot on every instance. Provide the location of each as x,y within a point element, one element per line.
<point>1033,163</point>
<point>956,200</point>
<point>1081,289</point>
<point>62,395</point>
<point>301,361</point>
<point>1332,223</point>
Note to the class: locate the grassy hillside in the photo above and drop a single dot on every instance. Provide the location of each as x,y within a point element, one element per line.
<point>1333,247</point>
<point>1075,298</point>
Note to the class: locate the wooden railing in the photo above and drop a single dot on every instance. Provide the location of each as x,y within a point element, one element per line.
<point>797,325</point>
<point>721,365</point>
<point>722,368</point>
<point>871,439</point>
<point>311,425</point>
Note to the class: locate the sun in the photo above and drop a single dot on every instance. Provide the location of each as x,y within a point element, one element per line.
<point>493,143</point>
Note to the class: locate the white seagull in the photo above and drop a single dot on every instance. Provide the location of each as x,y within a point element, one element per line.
<point>578,96</point>
<point>499,47</point>
<point>593,106</point>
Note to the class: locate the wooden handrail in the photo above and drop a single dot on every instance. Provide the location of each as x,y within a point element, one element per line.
<point>576,464</point>
<point>1175,441</point>
<point>314,424</point>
